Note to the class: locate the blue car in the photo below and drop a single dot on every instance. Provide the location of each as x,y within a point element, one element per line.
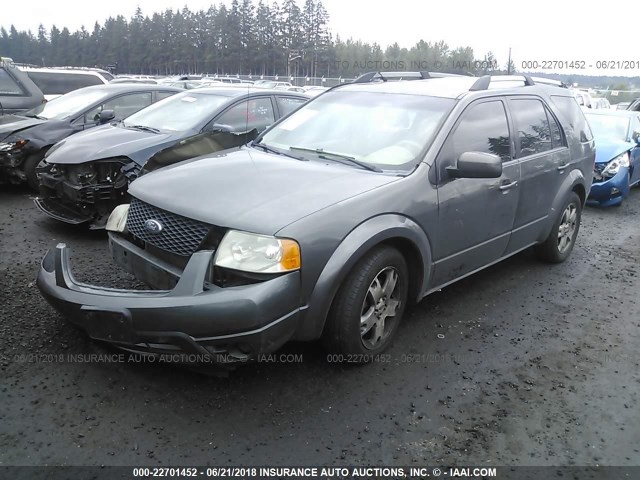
<point>617,166</point>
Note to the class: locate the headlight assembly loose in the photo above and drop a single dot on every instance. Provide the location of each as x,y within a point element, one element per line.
<point>254,253</point>
<point>15,145</point>
<point>613,167</point>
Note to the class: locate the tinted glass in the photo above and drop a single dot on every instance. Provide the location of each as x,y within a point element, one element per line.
<point>287,105</point>
<point>247,115</point>
<point>122,106</point>
<point>483,128</point>
<point>8,85</point>
<point>533,126</point>
<point>163,95</point>
<point>556,133</point>
<point>59,83</point>
<point>573,116</point>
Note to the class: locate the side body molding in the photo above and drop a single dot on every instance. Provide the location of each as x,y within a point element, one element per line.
<point>376,230</point>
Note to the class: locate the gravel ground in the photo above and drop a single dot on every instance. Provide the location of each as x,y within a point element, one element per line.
<point>521,364</point>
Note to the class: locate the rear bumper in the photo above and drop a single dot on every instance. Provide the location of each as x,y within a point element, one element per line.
<point>611,191</point>
<point>225,325</point>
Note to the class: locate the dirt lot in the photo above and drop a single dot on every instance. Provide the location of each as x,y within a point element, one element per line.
<point>522,364</point>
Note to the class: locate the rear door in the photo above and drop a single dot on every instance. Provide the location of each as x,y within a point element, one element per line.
<point>544,158</point>
<point>475,215</point>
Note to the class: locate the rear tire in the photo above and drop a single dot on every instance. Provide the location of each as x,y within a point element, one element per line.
<point>368,307</point>
<point>562,238</point>
<point>29,167</point>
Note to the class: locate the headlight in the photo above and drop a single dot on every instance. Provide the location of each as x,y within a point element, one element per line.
<point>614,165</point>
<point>250,252</point>
<point>16,145</point>
<point>118,219</point>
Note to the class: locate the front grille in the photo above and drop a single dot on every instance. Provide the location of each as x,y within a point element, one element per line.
<point>179,235</point>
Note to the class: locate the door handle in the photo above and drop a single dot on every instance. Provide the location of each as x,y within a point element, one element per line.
<point>508,186</point>
<point>563,167</point>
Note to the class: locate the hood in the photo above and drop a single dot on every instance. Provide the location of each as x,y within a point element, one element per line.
<point>14,123</point>
<point>251,190</point>
<point>609,148</point>
<point>109,141</point>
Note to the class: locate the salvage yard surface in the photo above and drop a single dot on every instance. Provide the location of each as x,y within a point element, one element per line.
<point>521,364</point>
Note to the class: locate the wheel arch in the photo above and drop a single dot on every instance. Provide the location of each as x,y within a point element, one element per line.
<point>394,230</point>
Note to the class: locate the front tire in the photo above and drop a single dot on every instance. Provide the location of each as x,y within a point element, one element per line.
<point>559,244</point>
<point>29,167</point>
<point>369,305</point>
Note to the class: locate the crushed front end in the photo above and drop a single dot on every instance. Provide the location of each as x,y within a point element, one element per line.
<point>84,192</point>
<point>12,156</point>
<point>192,306</point>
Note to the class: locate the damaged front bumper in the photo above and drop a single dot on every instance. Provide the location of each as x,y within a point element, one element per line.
<point>610,191</point>
<point>84,193</point>
<point>11,166</point>
<point>224,325</point>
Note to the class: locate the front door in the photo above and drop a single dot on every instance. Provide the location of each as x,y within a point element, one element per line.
<point>475,215</point>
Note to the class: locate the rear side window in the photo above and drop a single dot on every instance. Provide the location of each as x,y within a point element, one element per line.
<point>8,86</point>
<point>573,115</point>
<point>287,105</point>
<point>483,128</point>
<point>534,132</point>
<point>56,83</point>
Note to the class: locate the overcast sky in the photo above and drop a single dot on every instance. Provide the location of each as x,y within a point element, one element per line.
<point>544,30</point>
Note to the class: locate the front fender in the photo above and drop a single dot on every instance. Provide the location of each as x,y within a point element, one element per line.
<point>572,180</point>
<point>376,230</point>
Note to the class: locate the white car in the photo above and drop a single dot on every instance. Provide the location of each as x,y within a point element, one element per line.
<point>57,81</point>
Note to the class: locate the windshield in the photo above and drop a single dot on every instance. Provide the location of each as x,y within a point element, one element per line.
<point>179,112</point>
<point>611,126</point>
<point>68,105</point>
<point>387,131</point>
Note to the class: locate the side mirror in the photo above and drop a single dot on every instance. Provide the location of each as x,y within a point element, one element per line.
<point>106,116</point>
<point>476,165</point>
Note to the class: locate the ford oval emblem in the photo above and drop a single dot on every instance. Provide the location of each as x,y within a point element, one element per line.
<point>153,226</point>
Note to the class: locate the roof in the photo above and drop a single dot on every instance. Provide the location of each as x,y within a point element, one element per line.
<point>131,87</point>
<point>240,90</point>
<point>450,87</point>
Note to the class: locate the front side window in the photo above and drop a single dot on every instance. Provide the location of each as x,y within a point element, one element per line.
<point>122,106</point>
<point>8,86</point>
<point>483,128</point>
<point>534,132</point>
<point>255,113</point>
<point>385,130</point>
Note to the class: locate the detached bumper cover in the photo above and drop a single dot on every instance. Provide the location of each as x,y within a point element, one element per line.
<point>227,323</point>
<point>611,191</point>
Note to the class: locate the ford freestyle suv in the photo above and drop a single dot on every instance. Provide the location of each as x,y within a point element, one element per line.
<point>367,198</point>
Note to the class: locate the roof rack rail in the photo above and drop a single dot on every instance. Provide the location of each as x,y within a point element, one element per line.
<point>387,76</point>
<point>549,81</point>
<point>484,82</point>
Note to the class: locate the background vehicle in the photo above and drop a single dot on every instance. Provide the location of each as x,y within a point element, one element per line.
<point>273,84</point>
<point>583,98</point>
<point>370,196</point>
<point>87,175</point>
<point>57,81</point>
<point>26,138</point>
<point>18,93</point>
<point>634,106</point>
<point>617,166</point>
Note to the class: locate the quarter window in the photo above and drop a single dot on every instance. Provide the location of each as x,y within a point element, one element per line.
<point>534,132</point>
<point>8,85</point>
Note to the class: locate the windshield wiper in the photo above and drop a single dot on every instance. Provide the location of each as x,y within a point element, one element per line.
<point>269,149</point>
<point>338,157</point>
<point>144,128</point>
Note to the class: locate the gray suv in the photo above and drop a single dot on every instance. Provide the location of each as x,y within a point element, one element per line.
<point>370,196</point>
